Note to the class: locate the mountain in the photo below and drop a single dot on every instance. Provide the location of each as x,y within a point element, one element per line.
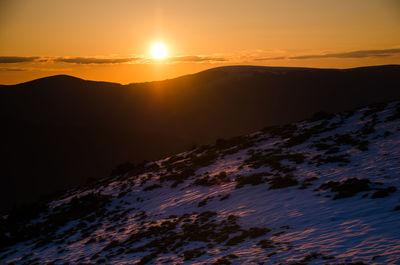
<point>63,131</point>
<point>318,191</point>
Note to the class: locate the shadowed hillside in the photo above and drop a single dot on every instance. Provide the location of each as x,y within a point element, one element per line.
<point>59,131</point>
<point>316,192</point>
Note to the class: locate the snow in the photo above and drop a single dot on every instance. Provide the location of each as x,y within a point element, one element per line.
<point>307,225</point>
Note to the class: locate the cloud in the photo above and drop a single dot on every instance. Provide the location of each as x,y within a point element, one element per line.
<point>88,60</point>
<point>110,60</point>
<point>244,57</point>
<point>196,58</point>
<point>270,58</point>
<point>352,54</point>
<point>12,69</point>
<point>17,59</point>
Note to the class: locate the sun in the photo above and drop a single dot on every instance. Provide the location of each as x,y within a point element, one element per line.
<point>159,51</point>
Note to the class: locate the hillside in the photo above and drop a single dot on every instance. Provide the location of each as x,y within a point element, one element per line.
<point>62,131</point>
<point>318,191</point>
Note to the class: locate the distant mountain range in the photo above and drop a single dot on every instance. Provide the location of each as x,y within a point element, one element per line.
<point>62,131</point>
<point>319,191</point>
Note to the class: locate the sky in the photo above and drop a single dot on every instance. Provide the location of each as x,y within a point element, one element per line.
<point>111,40</point>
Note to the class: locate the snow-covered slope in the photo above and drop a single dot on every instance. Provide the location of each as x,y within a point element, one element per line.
<point>321,191</point>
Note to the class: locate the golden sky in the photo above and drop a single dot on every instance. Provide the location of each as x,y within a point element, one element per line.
<point>111,40</point>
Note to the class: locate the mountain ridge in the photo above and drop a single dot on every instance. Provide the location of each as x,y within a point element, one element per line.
<point>64,133</point>
<point>228,67</point>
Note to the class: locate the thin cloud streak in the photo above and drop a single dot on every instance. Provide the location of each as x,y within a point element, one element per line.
<point>350,55</point>
<point>73,60</point>
<point>17,59</point>
<point>12,69</point>
<point>270,58</point>
<point>196,58</point>
<point>88,60</point>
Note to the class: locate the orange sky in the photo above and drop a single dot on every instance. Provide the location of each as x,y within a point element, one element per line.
<point>111,40</point>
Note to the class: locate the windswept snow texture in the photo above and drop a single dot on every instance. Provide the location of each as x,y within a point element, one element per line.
<point>320,191</point>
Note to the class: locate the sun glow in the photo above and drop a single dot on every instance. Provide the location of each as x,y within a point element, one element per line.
<point>159,51</point>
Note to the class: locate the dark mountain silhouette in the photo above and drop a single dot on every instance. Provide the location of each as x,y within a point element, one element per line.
<point>60,131</point>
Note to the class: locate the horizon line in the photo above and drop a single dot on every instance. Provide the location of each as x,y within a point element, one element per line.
<point>209,69</point>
